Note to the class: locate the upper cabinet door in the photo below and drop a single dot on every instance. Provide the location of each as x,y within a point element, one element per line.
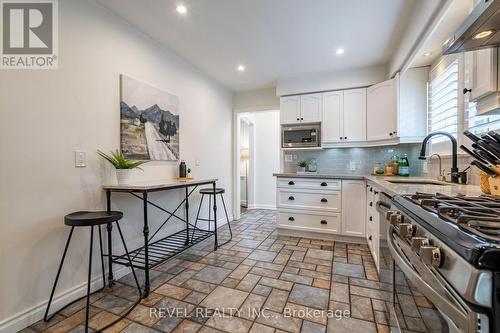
<point>310,108</point>
<point>482,73</point>
<point>290,110</point>
<point>381,111</point>
<point>354,115</point>
<point>333,106</point>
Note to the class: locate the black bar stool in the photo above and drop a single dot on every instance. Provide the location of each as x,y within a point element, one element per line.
<point>91,219</point>
<point>210,193</point>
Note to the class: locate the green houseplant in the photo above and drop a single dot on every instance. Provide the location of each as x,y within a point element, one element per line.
<point>122,165</point>
<point>302,166</point>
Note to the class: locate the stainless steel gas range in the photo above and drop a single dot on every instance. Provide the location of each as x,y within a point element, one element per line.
<point>444,262</point>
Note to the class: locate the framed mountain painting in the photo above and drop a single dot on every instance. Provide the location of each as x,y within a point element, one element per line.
<point>149,122</point>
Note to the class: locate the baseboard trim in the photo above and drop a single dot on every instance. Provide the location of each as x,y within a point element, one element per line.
<point>260,206</point>
<point>30,316</point>
<point>320,235</point>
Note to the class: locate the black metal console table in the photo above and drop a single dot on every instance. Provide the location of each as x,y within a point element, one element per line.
<point>155,252</point>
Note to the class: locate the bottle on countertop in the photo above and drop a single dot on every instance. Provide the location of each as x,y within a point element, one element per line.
<point>395,164</point>
<point>182,170</point>
<point>404,166</point>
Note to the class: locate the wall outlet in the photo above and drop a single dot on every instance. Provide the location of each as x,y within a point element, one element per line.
<point>425,167</point>
<point>295,157</point>
<point>80,159</point>
<point>197,161</point>
<point>288,158</point>
<point>352,165</point>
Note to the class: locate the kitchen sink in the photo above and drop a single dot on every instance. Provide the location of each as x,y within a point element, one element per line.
<point>418,182</point>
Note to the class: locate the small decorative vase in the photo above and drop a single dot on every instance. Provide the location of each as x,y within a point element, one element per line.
<point>189,175</point>
<point>123,176</point>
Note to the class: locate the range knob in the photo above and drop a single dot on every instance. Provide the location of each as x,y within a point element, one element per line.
<point>418,242</point>
<point>406,230</point>
<point>431,255</point>
<point>395,218</point>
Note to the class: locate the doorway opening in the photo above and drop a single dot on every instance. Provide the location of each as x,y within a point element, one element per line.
<point>257,158</point>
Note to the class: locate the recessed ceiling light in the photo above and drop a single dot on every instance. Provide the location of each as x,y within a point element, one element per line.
<point>483,34</point>
<point>427,54</point>
<point>241,68</point>
<point>339,51</point>
<point>181,9</point>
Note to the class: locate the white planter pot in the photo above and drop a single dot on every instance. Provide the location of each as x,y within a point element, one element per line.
<point>301,169</point>
<point>123,176</point>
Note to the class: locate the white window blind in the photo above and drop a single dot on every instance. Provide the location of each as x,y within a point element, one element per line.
<point>443,98</point>
<point>480,124</point>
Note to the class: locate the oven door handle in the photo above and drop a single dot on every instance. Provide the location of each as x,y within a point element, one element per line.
<point>382,207</point>
<point>460,318</point>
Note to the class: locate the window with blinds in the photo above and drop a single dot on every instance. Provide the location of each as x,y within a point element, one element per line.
<point>443,98</point>
<point>480,124</point>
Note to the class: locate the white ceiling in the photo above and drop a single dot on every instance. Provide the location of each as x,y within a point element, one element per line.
<point>274,39</point>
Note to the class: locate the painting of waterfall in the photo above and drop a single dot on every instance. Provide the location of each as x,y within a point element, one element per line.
<point>149,122</point>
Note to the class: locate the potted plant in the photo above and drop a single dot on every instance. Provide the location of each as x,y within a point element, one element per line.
<point>302,166</point>
<point>122,165</point>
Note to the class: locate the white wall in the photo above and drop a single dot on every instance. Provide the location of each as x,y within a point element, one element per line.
<point>261,99</point>
<point>349,78</point>
<point>266,158</point>
<point>46,115</point>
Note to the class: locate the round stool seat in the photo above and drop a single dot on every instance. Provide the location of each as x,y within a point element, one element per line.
<point>211,191</point>
<point>87,219</point>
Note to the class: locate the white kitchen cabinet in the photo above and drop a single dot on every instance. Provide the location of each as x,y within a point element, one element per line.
<point>382,111</point>
<point>310,108</point>
<point>353,208</point>
<point>344,116</point>
<point>482,73</point>
<point>290,110</point>
<point>354,115</point>
<point>333,109</point>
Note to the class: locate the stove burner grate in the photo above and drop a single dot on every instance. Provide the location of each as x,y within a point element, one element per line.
<point>478,215</point>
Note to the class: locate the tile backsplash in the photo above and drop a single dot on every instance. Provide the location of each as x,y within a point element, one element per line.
<point>355,160</point>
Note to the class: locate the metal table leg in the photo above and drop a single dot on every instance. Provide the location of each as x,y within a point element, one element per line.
<point>187,216</point>
<point>109,228</point>
<point>145,232</point>
<point>215,218</point>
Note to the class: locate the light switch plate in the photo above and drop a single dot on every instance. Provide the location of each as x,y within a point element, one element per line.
<point>197,161</point>
<point>288,158</point>
<point>80,159</point>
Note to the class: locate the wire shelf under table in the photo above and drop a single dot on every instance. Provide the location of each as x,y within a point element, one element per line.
<point>163,249</point>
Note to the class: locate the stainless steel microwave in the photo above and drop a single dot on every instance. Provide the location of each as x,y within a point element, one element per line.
<point>300,136</point>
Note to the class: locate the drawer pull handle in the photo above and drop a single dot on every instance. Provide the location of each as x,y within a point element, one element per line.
<point>371,218</point>
<point>369,237</point>
<point>324,200</point>
<point>376,192</point>
<point>291,219</point>
<point>324,184</point>
<point>371,204</point>
<point>291,183</point>
<point>324,222</point>
<point>291,198</point>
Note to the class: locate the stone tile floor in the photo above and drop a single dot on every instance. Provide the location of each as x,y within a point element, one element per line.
<point>259,282</point>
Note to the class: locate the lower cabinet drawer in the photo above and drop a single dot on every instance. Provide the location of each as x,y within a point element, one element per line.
<point>310,199</point>
<point>310,183</point>
<point>321,222</point>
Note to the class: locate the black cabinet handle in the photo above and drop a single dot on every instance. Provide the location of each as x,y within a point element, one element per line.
<point>345,137</point>
<point>298,118</point>
<point>395,132</point>
<point>391,134</point>
<point>324,200</point>
<point>291,219</point>
<point>291,183</point>
<point>369,237</point>
<point>371,189</point>
<point>371,204</point>
<point>324,184</point>
<point>301,118</point>
<point>340,138</point>
<point>291,198</point>
<point>371,218</point>
<point>376,192</point>
<point>324,222</point>
<point>465,91</point>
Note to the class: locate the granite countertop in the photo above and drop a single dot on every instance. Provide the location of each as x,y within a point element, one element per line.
<point>392,189</point>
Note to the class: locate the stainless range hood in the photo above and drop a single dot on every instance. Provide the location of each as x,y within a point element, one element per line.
<point>480,30</point>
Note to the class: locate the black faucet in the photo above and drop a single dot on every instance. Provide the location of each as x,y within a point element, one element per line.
<point>454,168</point>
